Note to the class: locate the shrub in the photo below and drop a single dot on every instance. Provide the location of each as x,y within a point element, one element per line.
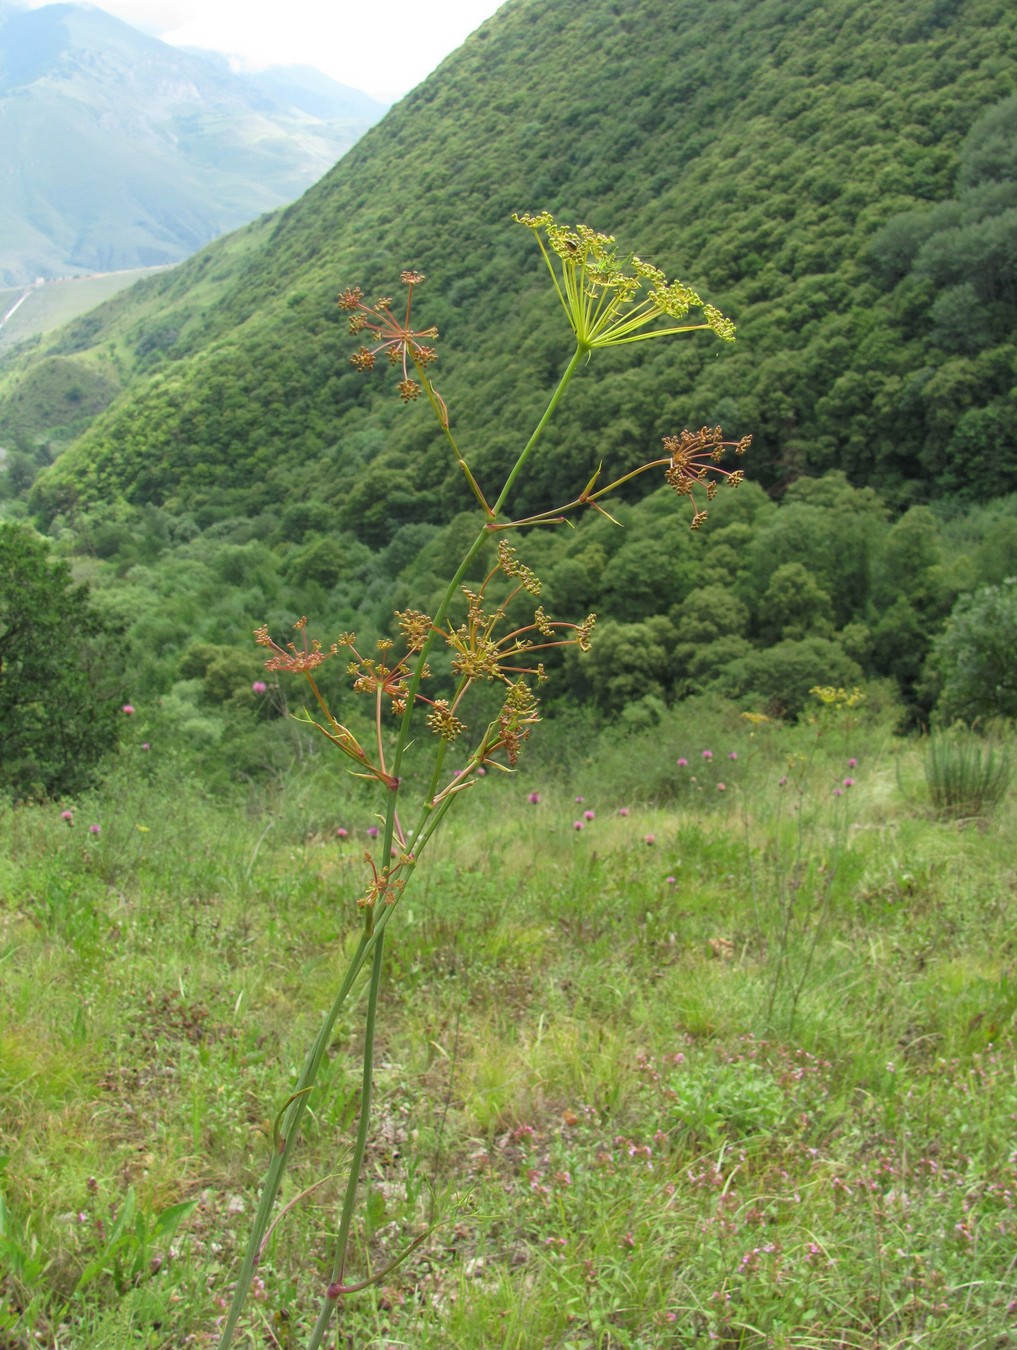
<point>61,672</point>
<point>976,657</point>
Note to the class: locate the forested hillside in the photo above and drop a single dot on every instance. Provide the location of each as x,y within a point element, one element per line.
<point>838,176</point>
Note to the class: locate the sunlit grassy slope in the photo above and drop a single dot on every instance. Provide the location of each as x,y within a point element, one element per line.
<point>733,1066</point>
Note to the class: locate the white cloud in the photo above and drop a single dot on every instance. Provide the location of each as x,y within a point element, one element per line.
<point>384,47</point>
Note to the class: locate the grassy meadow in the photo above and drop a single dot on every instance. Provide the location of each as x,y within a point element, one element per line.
<point>713,1053</point>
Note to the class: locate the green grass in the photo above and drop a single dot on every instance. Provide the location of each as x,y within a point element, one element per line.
<point>749,1084</point>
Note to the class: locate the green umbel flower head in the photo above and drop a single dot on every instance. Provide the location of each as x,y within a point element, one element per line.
<point>611,299</point>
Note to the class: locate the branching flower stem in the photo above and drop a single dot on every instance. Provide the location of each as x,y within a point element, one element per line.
<point>371,944</point>
<point>605,300</point>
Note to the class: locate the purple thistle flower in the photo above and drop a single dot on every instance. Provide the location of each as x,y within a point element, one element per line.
<point>588,815</point>
<point>683,764</point>
<point>259,687</point>
<point>708,755</point>
<point>534,798</point>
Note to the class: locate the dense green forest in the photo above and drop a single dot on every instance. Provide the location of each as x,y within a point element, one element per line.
<point>841,178</point>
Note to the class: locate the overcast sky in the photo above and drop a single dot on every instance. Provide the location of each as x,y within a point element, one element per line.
<point>384,47</point>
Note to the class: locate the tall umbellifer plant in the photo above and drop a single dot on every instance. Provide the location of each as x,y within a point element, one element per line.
<point>495,630</point>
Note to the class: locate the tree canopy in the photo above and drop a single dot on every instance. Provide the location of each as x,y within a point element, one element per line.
<point>61,671</point>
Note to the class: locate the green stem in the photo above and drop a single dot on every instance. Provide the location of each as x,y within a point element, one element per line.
<point>357,1161</point>
<point>290,1134</point>
<point>471,553</point>
<point>370,940</point>
<point>563,384</point>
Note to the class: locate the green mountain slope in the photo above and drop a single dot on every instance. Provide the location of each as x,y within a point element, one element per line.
<point>785,159</point>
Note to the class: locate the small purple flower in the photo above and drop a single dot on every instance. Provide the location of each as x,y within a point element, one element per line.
<point>259,687</point>
<point>588,815</point>
<point>852,764</point>
<point>649,838</point>
<point>68,816</point>
<point>783,781</point>
<point>372,831</point>
<point>580,800</point>
<point>341,833</point>
<point>534,798</point>
<point>577,824</point>
<point>721,787</point>
<point>683,764</point>
<point>708,755</point>
<point>732,754</point>
<point>94,829</point>
<point>623,810</point>
<point>145,745</point>
<point>838,792</point>
<point>128,709</point>
<point>672,881</point>
<point>849,782</point>
<point>481,771</point>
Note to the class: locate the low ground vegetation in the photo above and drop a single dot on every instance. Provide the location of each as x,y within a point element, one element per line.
<point>705,1040</point>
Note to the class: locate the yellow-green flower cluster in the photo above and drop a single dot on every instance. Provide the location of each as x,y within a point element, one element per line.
<point>612,299</point>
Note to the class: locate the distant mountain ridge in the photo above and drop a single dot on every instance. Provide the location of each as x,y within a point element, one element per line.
<point>119,151</point>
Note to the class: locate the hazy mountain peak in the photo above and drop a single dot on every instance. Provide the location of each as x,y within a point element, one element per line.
<point>120,150</point>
